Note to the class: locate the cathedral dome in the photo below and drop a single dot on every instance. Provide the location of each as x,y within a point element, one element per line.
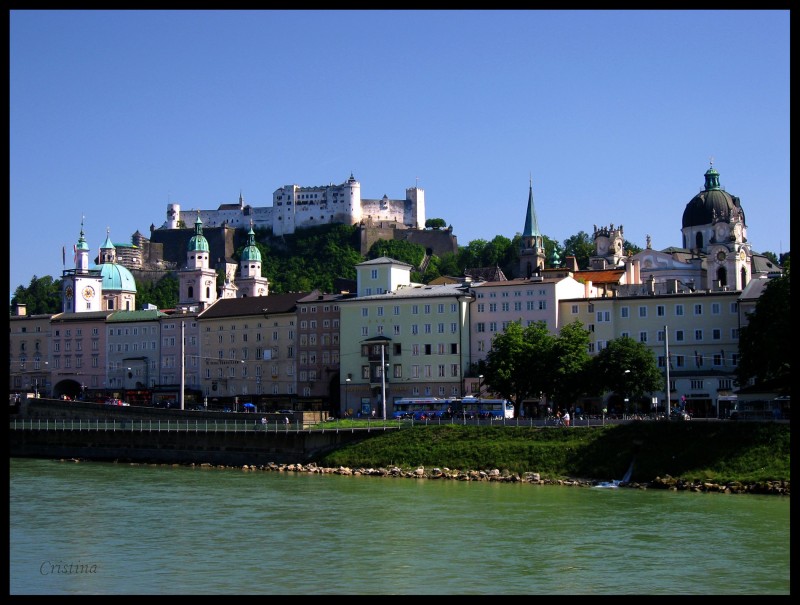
<point>198,243</point>
<point>117,278</point>
<point>250,253</point>
<point>712,204</point>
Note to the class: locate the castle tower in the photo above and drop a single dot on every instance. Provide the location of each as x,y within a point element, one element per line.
<point>417,198</point>
<point>531,254</point>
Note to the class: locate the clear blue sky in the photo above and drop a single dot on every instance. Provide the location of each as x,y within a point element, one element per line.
<point>614,115</point>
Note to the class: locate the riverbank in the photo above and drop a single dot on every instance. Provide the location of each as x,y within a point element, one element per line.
<point>780,488</point>
<point>724,457</point>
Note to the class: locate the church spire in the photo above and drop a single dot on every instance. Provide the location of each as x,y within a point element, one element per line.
<point>531,225</point>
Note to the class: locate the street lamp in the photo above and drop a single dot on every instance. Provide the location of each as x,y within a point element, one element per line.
<point>480,384</point>
<point>625,387</point>
<point>346,393</point>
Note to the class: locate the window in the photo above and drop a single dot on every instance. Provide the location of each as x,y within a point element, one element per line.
<point>661,310</point>
<point>481,307</point>
<point>698,335</point>
<point>396,330</point>
<point>364,312</point>
<point>440,308</point>
<point>427,309</point>
<point>454,370</point>
<point>679,310</point>
<point>505,307</point>
<point>480,327</point>
<point>380,311</point>
<point>415,309</point>
<point>414,329</point>
<point>453,327</point>
<point>440,328</point>
<point>679,335</point>
<point>542,305</point>
<point>716,334</point>
<point>396,310</point>
<point>440,348</point>
<point>643,337</point>
<point>716,308</point>
<point>428,349</point>
<point>642,312</point>
<point>492,307</point>
<point>427,328</point>
<point>698,309</point>
<point>415,349</point>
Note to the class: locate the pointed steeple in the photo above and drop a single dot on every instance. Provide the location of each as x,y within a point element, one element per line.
<point>531,254</point>
<point>531,225</point>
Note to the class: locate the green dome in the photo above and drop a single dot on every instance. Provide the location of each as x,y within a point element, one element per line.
<point>198,243</point>
<point>250,252</point>
<point>116,278</point>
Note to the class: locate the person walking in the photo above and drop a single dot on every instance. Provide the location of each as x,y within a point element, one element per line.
<point>566,418</point>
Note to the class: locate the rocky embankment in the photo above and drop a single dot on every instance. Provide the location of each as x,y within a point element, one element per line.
<point>781,488</point>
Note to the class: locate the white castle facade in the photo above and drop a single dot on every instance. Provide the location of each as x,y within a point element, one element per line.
<point>296,207</point>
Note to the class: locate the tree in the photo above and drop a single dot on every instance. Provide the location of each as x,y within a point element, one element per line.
<point>571,363</point>
<point>402,250</point>
<point>435,223</point>
<point>765,342</point>
<point>627,368</point>
<point>581,247</point>
<point>41,297</point>
<point>163,294</point>
<point>519,364</point>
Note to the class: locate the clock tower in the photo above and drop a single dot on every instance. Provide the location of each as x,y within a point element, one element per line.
<point>82,287</point>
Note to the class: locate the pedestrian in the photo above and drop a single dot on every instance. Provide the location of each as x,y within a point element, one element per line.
<point>566,418</point>
<point>286,421</point>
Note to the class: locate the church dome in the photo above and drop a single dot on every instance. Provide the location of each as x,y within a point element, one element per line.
<point>117,278</point>
<point>250,253</point>
<point>712,204</point>
<point>198,243</point>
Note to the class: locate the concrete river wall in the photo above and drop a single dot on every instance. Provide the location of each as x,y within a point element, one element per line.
<point>43,428</point>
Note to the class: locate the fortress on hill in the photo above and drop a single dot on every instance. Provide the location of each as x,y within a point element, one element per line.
<point>293,207</point>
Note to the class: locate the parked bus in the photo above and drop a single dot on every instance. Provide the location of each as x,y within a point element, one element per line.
<point>422,408</point>
<point>476,407</point>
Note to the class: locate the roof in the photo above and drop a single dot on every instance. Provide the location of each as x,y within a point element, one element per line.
<point>140,315</point>
<point>253,305</point>
<point>415,291</point>
<point>384,260</point>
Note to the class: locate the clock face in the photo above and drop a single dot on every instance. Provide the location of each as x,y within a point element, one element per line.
<point>88,292</point>
<point>68,292</point>
<point>742,255</point>
<point>720,256</point>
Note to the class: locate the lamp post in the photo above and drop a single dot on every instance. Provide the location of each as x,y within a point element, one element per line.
<point>625,390</point>
<point>480,384</point>
<point>346,393</point>
<point>383,379</point>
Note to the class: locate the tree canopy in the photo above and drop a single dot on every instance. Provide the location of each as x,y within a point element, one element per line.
<point>764,343</point>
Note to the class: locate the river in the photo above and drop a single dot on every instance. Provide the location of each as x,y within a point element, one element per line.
<point>112,529</point>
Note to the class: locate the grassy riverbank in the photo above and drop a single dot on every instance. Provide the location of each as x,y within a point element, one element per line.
<point>706,451</point>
